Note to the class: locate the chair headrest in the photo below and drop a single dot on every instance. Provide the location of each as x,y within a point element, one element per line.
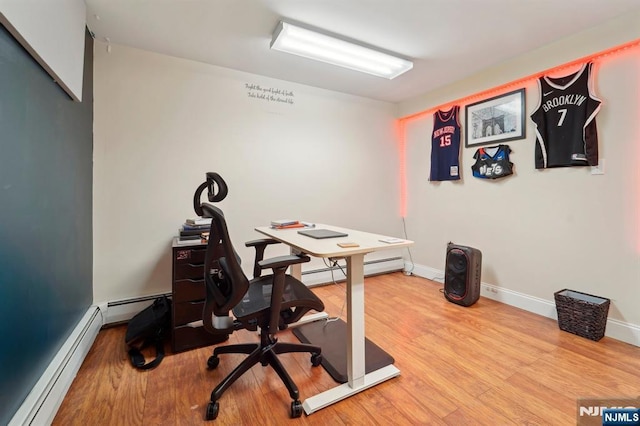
<point>216,191</point>
<point>215,180</point>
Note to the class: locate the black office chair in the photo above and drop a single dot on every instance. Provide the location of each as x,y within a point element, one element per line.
<point>217,191</point>
<point>268,302</point>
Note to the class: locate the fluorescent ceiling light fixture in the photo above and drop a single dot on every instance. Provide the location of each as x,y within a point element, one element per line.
<point>310,44</point>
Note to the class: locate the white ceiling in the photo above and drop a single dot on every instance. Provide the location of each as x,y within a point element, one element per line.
<point>448,40</point>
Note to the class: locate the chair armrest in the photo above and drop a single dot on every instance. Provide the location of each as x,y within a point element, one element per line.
<point>260,242</point>
<point>260,245</point>
<point>282,261</point>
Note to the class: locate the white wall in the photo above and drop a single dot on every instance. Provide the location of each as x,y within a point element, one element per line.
<point>52,31</point>
<point>542,231</point>
<point>161,123</point>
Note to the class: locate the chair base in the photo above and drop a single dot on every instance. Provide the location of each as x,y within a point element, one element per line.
<point>266,353</point>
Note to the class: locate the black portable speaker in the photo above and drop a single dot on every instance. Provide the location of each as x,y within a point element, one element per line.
<point>462,274</point>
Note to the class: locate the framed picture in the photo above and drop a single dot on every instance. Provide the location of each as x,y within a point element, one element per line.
<point>498,119</point>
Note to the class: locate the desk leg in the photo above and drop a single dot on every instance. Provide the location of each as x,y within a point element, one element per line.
<point>355,320</point>
<point>295,270</point>
<point>357,380</point>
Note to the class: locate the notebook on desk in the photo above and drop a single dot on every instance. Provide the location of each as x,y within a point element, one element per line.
<point>322,233</point>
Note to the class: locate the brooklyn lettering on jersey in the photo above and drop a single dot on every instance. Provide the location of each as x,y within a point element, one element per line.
<point>565,121</point>
<point>563,100</point>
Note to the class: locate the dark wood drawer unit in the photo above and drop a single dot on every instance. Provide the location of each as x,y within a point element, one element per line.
<point>188,289</point>
<point>187,312</point>
<point>188,294</point>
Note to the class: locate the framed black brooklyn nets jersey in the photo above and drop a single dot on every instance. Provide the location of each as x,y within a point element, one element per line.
<point>565,121</point>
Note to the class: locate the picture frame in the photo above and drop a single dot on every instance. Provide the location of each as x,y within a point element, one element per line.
<point>497,119</point>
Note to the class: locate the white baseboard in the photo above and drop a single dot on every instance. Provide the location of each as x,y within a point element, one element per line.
<point>623,331</point>
<point>42,403</point>
<point>619,330</point>
<point>425,272</point>
<point>374,267</point>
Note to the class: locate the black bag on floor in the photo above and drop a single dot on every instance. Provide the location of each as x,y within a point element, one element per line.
<point>151,326</point>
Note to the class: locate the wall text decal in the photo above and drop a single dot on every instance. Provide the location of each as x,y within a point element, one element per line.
<point>269,94</point>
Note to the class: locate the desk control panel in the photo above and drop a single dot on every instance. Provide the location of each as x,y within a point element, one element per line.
<point>188,294</point>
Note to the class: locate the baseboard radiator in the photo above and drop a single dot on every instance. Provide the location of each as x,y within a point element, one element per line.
<point>121,311</point>
<point>42,403</point>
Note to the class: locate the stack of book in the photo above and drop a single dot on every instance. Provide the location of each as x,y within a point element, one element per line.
<point>289,223</point>
<point>194,230</point>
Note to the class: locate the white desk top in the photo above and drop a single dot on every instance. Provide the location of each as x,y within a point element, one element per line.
<point>328,247</point>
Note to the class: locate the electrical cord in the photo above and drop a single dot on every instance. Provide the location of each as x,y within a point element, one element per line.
<point>332,268</point>
<point>333,279</point>
<point>404,228</point>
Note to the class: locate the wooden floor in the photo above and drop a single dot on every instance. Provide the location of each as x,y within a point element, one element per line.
<point>489,364</point>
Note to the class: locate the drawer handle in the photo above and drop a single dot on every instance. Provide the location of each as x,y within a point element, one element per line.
<point>192,281</point>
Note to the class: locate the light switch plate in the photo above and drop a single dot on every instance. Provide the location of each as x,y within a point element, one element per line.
<point>599,169</point>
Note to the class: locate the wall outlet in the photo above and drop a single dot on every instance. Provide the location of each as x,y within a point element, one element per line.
<point>599,169</point>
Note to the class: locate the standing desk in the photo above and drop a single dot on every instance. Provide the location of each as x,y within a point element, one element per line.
<point>357,380</point>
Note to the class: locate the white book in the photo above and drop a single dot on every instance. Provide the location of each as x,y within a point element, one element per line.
<point>180,242</point>
<point>199,221</point>
<point>283,222</point>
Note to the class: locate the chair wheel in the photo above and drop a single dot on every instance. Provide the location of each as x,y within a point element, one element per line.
<point>296,409</point>
<point>212,410</point>
<point>213,362</point>
<point>316,359</point>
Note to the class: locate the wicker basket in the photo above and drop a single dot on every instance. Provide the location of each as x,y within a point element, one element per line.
<point>581,313</point>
